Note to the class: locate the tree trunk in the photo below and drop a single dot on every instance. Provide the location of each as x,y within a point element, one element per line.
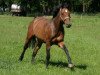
<point>44,10</point>
<point>84,10</point>
<point>3,5</point>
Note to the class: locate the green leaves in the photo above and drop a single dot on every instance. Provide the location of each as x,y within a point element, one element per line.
<point>46,6</point>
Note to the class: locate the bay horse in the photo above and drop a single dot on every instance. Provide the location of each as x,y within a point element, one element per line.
<point>51,32</point>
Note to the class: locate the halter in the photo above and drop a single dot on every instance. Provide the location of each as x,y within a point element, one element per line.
<point>64,18</point>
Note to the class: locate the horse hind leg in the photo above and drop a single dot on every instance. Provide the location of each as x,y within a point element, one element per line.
<point>47,53</point>
<point>37,46</point>
<point>26,45</point>
<point>24,49</point>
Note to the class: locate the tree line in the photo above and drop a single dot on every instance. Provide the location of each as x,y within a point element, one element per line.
<point>46,6</point>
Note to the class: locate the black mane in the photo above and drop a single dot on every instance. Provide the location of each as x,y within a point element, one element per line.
<point>57,8</point>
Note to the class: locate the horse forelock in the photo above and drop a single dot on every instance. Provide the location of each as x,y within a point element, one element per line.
<point>57,8</point>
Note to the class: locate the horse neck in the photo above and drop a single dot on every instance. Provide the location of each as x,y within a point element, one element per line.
<point>57,21</point>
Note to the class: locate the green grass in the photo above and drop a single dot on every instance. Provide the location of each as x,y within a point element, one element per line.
<point>82,40</point>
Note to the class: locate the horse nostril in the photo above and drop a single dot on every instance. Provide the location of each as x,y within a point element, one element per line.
<point>69,25</point>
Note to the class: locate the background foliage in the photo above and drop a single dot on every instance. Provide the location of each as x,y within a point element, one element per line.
<point>46,6</point>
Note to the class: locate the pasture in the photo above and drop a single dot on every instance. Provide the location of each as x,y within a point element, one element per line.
<point>82,40</point>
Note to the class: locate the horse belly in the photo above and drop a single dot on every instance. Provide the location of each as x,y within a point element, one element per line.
<point>39,30</point>
<point>39,34</point>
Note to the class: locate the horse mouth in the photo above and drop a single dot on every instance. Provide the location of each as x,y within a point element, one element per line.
<point>68,25</point>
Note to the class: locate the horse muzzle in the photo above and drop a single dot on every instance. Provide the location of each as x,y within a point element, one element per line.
<point>68,25</point>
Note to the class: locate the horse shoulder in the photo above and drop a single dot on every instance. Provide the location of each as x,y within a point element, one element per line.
<point>59,36</point>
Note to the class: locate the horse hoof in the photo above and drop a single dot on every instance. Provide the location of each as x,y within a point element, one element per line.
<point>20,59</point>
<point>70,65</point>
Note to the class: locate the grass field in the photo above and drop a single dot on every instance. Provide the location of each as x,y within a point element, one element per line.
<point>82,40</point>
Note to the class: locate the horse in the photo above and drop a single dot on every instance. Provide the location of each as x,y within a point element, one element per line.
<point>49,31</point>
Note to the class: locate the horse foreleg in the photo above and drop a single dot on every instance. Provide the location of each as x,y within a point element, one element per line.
<point>36,48</point>
<point>47,53</point>
<point>62,45</point>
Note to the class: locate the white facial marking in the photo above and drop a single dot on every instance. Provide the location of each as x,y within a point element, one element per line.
<point>66,11</point>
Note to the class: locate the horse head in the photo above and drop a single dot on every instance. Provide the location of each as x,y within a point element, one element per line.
<point>64,14</point>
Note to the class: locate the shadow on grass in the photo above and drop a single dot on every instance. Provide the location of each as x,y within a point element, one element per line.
<point>64,65</point>
<point>82,66</point>
<point>58,64</point>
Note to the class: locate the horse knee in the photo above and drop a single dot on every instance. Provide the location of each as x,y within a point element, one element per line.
<point>61,44</point>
